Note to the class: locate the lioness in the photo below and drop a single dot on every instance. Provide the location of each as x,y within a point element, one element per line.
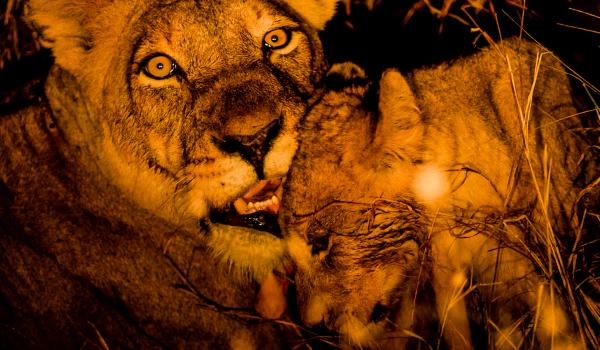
<point>157,114</point>
<point>456,171</point>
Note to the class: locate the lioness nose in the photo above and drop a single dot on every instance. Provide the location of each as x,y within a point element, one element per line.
<point>379,312</point>
<point>252,148</point>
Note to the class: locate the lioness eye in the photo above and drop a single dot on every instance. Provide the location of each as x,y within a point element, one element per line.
<point>160,67</point>
<point>277,39</point>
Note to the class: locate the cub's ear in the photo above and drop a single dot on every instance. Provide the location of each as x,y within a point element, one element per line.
<point>399,131</point>
<point>316,12</point>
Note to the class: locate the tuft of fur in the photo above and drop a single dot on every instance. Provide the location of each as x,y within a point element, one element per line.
<point>248,252</point>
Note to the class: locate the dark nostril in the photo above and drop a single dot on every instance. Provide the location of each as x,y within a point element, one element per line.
<point>324,329</point>
<point>319,244</point>
<point>322,337</point>
<point>228,144</point>
<point>379,313</point>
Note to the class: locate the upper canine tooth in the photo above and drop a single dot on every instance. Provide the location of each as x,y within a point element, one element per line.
<point>275,200</point>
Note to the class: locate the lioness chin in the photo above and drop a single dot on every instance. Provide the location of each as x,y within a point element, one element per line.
<point>446,177</point>
<point>157,115</point>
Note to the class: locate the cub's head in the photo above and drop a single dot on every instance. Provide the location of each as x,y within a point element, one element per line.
<point>351,229</point>
<point>183,105</point>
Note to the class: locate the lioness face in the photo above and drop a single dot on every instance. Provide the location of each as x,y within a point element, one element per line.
<point>190,102</point>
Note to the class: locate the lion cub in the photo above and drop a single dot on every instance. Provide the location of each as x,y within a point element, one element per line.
<point>460,174</point>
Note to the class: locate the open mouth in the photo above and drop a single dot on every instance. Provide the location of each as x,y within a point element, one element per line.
<point>256,209</point>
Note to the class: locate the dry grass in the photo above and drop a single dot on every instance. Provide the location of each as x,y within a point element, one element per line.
<point>554,256</point>
<point>569,266</point>
<point>568,261</point>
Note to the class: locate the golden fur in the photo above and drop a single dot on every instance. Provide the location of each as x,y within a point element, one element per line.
<point>171,122</point>
<point>466,165</point>
<point>156,113</point>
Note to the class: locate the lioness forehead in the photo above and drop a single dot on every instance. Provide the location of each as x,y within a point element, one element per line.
<point>204,35</point>
<point>214,30</point>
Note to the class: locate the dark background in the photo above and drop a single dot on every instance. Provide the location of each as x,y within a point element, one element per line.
<point>408,34</point>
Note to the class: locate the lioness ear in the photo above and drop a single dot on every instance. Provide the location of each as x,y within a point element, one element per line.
<point>316,12</point>
<point>399,130</point>
<point>65,27</point>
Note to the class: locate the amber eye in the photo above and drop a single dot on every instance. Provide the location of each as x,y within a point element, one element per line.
<point>276,39</point>
<point>160,67</point>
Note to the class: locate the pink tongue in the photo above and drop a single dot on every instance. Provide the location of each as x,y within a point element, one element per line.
<point>270,301</point>
<point>263,191</point>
